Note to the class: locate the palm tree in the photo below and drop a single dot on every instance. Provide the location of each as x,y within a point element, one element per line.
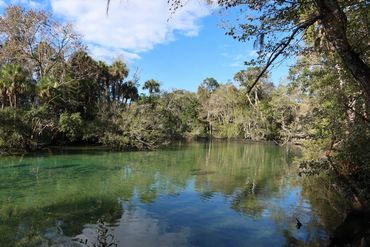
<point>46,89</point>
<point>104,78</point>
<point>152,85</point>
<point>128,91</point>
<point>3,92</point>
<point>132,91</point>
<point>118,72</point>
<point>13,81</point>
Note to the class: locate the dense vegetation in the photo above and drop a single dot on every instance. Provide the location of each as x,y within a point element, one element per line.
<point>53,92</point>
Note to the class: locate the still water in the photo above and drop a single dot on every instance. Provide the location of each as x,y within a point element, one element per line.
<point>193,194</point>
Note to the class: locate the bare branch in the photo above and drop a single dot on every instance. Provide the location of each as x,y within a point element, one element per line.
<point>108,3</point>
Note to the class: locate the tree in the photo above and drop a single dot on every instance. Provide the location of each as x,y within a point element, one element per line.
<point>181,109</point>
<point>46,90</point>
<point>84,73</point>
<point>217,111</point>
<point>152,85</point>
<point>206,88</point>
<point>333,24</point>
<point>118,72</point>
<point>211,84</point>
<point>132,91</point>
<point>70,125</point>
<point>13,81</point>
<point>104,79</point>
<point>246,77</point>
<point>137,127</point>
<point>335,124</point>
<point>34,38</point>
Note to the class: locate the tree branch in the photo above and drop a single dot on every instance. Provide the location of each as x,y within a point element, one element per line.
<point>108,3</point>
<point>281,47</point>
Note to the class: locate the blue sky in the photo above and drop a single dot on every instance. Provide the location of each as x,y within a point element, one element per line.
<point>179,52</point>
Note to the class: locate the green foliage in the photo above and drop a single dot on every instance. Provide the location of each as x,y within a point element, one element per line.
<point>47,90</point>
<point>137,127</point>
<point>13,83</point>
<point>335,125</point>
<point>209,85</point>
<point>84,73</point>
<point>152,85</point>
<point>22,130</point>
<point>13,130</point>
<point>181,110</point>
<point>70,125</point>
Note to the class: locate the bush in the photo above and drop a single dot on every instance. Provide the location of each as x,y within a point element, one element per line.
<point>15,131</point>
<point>137,127</point>
<point>71,126</point>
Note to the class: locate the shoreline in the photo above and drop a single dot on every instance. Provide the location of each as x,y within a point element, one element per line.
<point>100,147</point>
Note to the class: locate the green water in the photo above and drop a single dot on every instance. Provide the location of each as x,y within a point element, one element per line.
<point>194,194</point>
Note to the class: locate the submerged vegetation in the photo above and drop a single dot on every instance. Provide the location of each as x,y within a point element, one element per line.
<point>53,92</point>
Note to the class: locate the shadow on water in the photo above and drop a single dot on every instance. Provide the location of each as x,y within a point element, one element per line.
<point>193,194</point>
<point>22,165</point>
<point>200,172</point>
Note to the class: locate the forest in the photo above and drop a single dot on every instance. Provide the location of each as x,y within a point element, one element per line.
<point>53,92</point>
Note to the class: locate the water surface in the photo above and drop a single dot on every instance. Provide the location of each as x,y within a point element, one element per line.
<point>194,194</point>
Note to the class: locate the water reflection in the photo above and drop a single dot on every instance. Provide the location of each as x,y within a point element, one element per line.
<point>195,194</point>
<point>138,228</point>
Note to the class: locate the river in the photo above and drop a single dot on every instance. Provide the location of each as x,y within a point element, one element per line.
<point>187,194</point>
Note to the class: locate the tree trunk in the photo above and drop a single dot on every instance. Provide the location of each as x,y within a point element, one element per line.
<point>114,91</point>
<point>334,21</point>
<point>3,99</point>
<point>10,101</point>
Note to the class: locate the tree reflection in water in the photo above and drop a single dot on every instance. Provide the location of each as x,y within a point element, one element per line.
<point>103,237</point>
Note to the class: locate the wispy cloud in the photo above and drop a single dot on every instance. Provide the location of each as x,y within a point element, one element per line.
<point>132,26</point>
<point>237,60</point>
<point>109,54</point>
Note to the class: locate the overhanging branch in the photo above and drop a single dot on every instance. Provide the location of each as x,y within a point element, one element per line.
<point>281,47</point>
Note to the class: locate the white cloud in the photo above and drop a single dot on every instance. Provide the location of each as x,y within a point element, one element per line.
<point>107,54</point>
<point>237,60</point>
<point>132,26</point>
<point>41,4</point>
<point>137,228</point>
<point>36,5</point>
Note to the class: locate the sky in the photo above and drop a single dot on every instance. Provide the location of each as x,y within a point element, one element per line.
<point>178,50</point>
